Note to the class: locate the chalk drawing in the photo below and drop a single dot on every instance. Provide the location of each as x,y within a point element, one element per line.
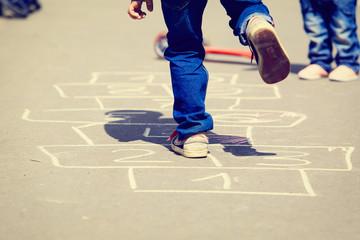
<point>126,117</point>
<point>225,176</point>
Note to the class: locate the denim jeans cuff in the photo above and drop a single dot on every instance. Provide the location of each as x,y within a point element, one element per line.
<point>241,30</point>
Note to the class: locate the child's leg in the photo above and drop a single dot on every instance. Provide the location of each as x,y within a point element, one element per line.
<point>186,54</point>
<point>241,12</point>
<point>316,25</point>
<point>345,39</point>
<point>251,21</point>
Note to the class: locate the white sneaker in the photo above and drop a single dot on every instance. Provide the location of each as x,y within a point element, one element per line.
<point>312,72</point>
<point>194,146</point>
<point>343,74</point>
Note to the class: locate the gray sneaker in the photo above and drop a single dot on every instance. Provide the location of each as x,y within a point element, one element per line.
<point>272,60</point>
<point>194,146</point>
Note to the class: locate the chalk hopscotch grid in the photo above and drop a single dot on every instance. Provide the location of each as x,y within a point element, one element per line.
<point>224,118</point>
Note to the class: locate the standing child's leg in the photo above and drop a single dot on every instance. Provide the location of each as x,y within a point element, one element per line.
<point>316,26</point>
<point>343,26</point>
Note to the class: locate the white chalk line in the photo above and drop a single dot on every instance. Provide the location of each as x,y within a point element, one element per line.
<point>216,162</point>
<point>60,91</point>
<point>99,102</point>
<point>146,152</point>
<point>132,180</point>
<point>83,135</point>
<point>54,160</point>
<point>225,176</point>
<point>226,192</point>
<point>345,148</point>
<point>217,166</point>
<point>236,104</point>
<point>234,79</point>
<point>348,157</point>
<point>26,114</point>
<point>167,89</point>
<point>132,96</point>
<point>57,201</point>
<point>249,135</point>
<point>306,182</point>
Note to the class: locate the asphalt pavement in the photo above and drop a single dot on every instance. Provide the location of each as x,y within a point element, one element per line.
<point>87,109</point>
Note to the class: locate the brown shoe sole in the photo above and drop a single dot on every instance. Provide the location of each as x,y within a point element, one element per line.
<point>273,62</point>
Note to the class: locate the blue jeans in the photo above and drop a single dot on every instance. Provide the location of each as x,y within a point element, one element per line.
<point>328,23</point>
<point>186,53</point>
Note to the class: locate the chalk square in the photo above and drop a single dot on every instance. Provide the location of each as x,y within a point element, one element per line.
<point>130,77</point>
<point>256,118</point>
<point>126,156</point>
<point>156,104</point>
<point>114,90</point>
<point>315,158</point>
<point>237,181</point>
<point>242,91</point>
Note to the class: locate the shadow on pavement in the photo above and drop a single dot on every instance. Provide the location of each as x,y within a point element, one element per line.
<point>295,68</point>
<point>148,126</point>
<point>18,8</point>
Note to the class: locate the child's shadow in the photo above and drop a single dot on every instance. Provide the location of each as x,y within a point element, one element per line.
<point>148,126</point>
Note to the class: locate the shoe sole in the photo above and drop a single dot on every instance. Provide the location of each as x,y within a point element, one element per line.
<point>343,80</point>
<point>273,62</point>
<point>312,79</point>
<point>193,153</point>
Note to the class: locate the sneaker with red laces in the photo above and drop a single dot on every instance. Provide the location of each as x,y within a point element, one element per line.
<point>273,62</point>
<point>194,146</point>
<point>343,74</point>
<point>312,72</point>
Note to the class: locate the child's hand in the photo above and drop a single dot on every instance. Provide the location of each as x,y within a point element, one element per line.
<point>134,9</point>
